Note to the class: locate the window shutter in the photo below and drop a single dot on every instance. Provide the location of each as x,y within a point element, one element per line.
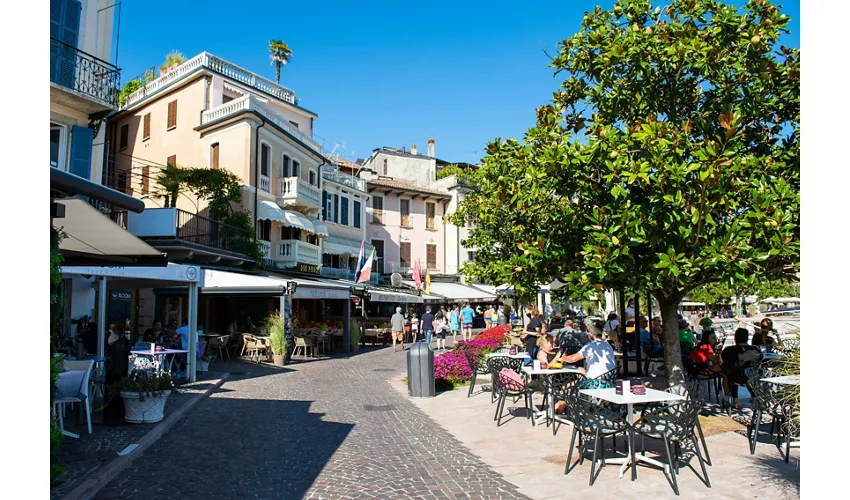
<point>172,114</point>
<point>146,128</point>
<point>65,27</point>
<point>431,256</point>
<point>324,205</point>
<point>125,137</point>
<point>343,212</point>
<point>405,253</point>
<point>172,160</point>
<point>215,156</point>
<point>335,209</point>
<point>355,219</point>
<point>146,179</point>
<point>81,144</point>
<point>286,162</point>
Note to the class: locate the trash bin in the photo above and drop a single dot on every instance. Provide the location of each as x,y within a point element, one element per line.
<point>420,371</point>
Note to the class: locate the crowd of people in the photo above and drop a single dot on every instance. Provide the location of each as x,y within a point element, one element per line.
<point>438,323</point>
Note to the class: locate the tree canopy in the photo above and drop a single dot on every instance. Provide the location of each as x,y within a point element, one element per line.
<point>668,159</point>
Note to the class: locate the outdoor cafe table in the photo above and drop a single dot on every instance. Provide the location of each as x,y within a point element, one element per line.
<point>772,355</point>
<point>783,380</point>
<point>518,355</point>
<point>651,396</point>
<point>159,357</point>
<point>545,372</point>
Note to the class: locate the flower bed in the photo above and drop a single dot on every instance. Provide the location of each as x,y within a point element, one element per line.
<point>497,332</point>
<point>489,345</point>
<point>453,367</point>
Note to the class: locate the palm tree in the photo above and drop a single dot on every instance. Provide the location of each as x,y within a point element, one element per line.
<point>280,54</point>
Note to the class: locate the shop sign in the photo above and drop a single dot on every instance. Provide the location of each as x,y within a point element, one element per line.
<point>303,292</point>
<point>121,295</point>
<point>306,268</point>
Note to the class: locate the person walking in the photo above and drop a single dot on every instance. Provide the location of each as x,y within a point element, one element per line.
<point>397,325</point>
<point>466,314</point>
<point>487,318</point>
<point>427,324</point>
<point>414,327</point>
<point>503,319</point>
<point>454,322</point>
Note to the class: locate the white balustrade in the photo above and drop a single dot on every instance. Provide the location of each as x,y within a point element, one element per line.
<point>296,251</point>
<point>220,66</point>
<point>265,184</point>
<point>292,188</point>
<point>266,248</point>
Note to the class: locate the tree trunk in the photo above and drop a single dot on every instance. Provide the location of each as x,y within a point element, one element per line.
<point>673,368</point>
<point>277,72</point>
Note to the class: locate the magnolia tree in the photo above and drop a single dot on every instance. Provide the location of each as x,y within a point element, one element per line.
<point>668,159</point>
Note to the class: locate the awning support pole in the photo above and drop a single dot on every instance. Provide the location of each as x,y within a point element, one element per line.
<point>101,315</point>
<point>346,327</point>
<point>193,330</point>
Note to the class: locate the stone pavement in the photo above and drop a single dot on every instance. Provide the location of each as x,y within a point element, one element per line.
<point>326,428</point>
<point>537,458</point>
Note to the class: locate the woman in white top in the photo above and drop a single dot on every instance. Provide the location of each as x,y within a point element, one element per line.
<point>414,327</point>
<point>598,354</point>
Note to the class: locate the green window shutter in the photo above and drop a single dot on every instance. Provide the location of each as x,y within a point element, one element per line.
<point>335,208</point>
<point>81,146</point>
<point>324,205</point>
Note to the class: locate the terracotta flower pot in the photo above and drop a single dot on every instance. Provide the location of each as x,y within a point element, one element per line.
<point>279,359</point>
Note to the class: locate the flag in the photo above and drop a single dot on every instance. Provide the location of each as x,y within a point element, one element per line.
<point>361,259</point>
<point>366,269</point>
<point>417,275</point>
<point>428,280</point>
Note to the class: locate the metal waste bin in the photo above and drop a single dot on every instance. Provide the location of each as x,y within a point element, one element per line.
<point>420,371</point>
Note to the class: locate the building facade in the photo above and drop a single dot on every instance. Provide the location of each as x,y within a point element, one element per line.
<point>344,204</point>
<point>84,83</point>
<point>457,253</point>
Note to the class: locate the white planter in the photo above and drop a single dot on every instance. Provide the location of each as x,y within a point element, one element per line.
<point>147,411</point>
<point>203,365</point>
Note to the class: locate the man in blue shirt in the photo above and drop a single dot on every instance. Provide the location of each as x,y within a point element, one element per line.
<point>427,322</point>
<point>466,313</point>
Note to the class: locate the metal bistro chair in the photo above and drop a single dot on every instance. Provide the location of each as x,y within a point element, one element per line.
<point>604,381</point>
<point>219,343</point>
<point>301,343</point>
<point>674,424</point>
<point>81,397</point>
<point>693,374</point>
<point>690,391</point>
<point>770,399</point>
<point>252,346</point>
<point>557,385</point>
<point>495,365</point>
<point>478,367</point>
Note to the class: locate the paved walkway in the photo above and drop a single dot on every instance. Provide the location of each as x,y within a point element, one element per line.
<point>329,428</point>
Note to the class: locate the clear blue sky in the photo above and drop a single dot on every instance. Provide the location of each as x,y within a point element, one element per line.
<point>383,73</point>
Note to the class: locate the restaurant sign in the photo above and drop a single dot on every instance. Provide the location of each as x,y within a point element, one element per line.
<point>305,292</point>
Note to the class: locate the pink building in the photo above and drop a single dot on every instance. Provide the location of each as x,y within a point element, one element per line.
<point>405,223</point>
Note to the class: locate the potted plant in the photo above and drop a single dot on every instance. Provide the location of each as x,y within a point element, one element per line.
<point>277,334</point>
<point>172,60</point>
<point>144,397</point>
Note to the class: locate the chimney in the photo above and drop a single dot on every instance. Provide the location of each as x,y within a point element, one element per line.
<point>413,148</point>
<point>431,148</point>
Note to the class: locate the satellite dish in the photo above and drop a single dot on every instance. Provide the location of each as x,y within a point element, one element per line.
<point>395,279</point>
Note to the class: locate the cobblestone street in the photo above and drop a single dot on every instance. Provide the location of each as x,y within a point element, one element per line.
<point>327,428</point>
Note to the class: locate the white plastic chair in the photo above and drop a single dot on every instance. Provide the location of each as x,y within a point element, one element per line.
<point>59,404</point>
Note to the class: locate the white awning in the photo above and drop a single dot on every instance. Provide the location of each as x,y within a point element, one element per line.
<point>216,281</point>
<point>343,246</point>
<point>458,292</point>
<point>171,272</point>
<point>88,231</point>
<point>394,297</point>
<point>321,228</point>
<point>489,289</point>
<point>268,210</point>
<point>297,220</point>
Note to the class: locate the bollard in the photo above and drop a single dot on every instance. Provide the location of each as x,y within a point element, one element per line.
<point>420,371</point>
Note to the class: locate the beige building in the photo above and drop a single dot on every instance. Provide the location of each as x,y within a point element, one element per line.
<point>210,113</point>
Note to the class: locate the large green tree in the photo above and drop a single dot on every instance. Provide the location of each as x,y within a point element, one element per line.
<point>669,158</point>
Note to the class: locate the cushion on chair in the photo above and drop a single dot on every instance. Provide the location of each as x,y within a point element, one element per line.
<point>511,380</point>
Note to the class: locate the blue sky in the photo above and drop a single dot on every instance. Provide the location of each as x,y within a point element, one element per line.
<point>383,73</point>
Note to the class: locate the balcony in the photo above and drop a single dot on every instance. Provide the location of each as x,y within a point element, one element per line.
<point>345,274</point>
<point>298,193</point>
<point>82,81</point>
<point>293,252</point>
<point>185,235</point>
<point>220,66</point>
<point>251,103</point>
<point>334,175</point>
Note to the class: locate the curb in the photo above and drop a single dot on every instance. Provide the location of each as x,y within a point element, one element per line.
<point>102,476</point>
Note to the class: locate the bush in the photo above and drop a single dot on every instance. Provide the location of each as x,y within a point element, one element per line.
<point>497,332</point>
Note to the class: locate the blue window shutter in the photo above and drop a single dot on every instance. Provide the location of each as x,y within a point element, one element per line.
<point>81,146</point>
<point>65,27</point>
<point>324,205</point>
<point>336,208</point>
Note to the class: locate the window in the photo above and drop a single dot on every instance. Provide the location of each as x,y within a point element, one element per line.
<point>312,177</point>
<point>431,255</point>
<point>172,115</point>
<point>377,210</point>
<point>146,128</point>
<point>470,256</point>
<point>294,124</point>
<point>264,159</point>
<point>430,210</point>
<point>264,230</point>
<point>324,205</point>
<point>385,166</point>
<point>355,217</point>
<point>286,163</point>
<point>404,255</point>
<point>343,211</point>
<point>404,208</point>
<point>335,214</point>
<point>57,145</point>
<point>124,138</point>
<point>146,179</point>
<point>289,233</point>
<point>226,98</point>
<point>378,265</point>
<point>329,208</point>
<point>296,169</point>
<point>172,160</point>
<point>214,156</point>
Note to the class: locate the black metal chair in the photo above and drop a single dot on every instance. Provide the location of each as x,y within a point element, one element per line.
<point>509,386</point>
<point>650,356</point>
<point>690,391</point>
<point>477,366</point>
<point>604,381</point>
<point>495,365</point>
<point>592,421</point>
<point>693,374</point>
<point>772,399</point>
<point>557,386</point>
<point>676,425</point>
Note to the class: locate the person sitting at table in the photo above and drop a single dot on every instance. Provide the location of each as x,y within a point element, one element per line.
<point>183,331</point>
<point>737,358</point>
<point>546,352</point>
<point>707,362</point>
<point>761,336</point>
<point>156,333</point>
<point>113,334</point>
<point>597,354</point>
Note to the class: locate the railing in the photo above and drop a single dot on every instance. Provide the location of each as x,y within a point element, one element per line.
<point>265,184</point>
<point>292,188</point>
<point>85,73</point>
<point>333,174</point>
<point>117,216</point>
<point>218,65</point>
<point>298,251</point>
<point>251,103</point>
<point>203,231</point>
<point>345,274</point>
<point>265,248</point>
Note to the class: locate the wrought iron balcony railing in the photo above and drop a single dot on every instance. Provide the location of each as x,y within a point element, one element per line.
<point>74,69</point>
<point>203,231</point>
